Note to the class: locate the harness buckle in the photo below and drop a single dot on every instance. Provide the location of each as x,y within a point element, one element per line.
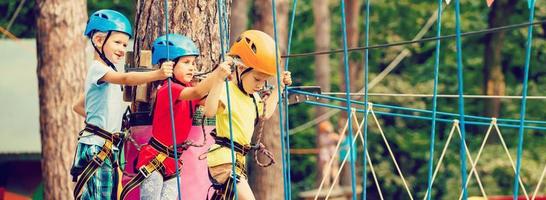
<point>100,157</point>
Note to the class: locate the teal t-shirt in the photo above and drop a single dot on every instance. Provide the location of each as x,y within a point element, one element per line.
<point>345,149</point>
<point>103,103</point>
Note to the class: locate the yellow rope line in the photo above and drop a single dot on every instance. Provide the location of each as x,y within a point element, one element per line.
<point>511,160</point>
<point>539,183</point>
<point>441,159</point>
<point>330,163</point>
<point>359,132</point>
<point>14,38</point>
<point>390,151</point>
<point>373,171</point>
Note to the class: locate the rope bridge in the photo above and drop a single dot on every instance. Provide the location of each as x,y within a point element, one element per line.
<point>458,120</point>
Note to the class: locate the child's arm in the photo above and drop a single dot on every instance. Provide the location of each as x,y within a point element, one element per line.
<point>203,87</point>
<point>212,103</point>
<point>271,102</point>
<point>136,78</point>
<point>79,106</point>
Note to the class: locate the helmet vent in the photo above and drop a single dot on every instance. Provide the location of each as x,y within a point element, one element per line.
<point>170,43</point>
<point>103,16</point>
<point>239,39</point>
<point>253,47</point>
<point>247,40</point>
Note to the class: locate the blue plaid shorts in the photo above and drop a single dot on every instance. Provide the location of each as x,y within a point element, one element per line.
<point>101,184</point>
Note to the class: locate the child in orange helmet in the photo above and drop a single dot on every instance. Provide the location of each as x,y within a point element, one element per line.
<point>257,54</point>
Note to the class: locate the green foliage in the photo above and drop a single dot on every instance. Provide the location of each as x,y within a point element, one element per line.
<point>395,21</point>
<point>24,24</point>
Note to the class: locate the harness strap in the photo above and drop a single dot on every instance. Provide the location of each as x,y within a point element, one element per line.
<point>91,168</point>
<point>114,138</point>
<point>242,149</point>
<point>169,151</point>
<point>143,173</point>
<point>239,148</point>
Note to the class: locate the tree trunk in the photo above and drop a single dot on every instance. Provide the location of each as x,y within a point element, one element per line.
<point>61,72</point>
<point>239,19</point>
<point>266,182</point>
<point>493,76</point>
<point>322,69</point>
<point>196,19</point>
<point>355,71</point>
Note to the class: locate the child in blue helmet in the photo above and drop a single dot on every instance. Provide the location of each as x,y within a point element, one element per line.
<point>95,169</point>
<point>156,161</point>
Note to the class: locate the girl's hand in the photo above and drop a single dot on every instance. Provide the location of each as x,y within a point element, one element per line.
<point>166,70</point>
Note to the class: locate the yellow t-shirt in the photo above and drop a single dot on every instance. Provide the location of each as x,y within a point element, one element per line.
<point>243,113</point>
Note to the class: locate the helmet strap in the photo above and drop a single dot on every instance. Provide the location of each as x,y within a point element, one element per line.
<point>101,52</point>
<point>239,77</point>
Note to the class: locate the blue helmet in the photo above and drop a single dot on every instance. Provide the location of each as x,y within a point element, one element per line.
<point>178,46</point>
<point>108,20</point>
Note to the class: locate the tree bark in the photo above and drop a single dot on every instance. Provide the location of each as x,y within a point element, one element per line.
<point>196,19</point>
<point>61,72</point>
<point>322,63</point>
<point>493,74</point>
<point>265,182</point>
<point>239,19</point>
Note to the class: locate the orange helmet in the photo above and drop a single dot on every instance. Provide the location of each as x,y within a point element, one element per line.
<point>256,50</point>
<point>325,126</point>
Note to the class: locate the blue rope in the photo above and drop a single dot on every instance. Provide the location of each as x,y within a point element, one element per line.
<point>221,15</point>
<point>434,99</point>
<point>462,150</point>
<point>524,96</point>
<point>171,111</point>
<point>348,97</point>
<point>366,70</point>
<point>286,169</point>
<point>419,117</point>
<point>376,105</point>
<point>280,102</point>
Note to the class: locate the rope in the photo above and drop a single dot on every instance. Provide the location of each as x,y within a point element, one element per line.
<point>392,65</point>
<point>471,163</point>
<point>539,183</point>
<point>280,102</point>
<point>434,96</point>
<point>365,138</point>
<point>460,86</point>
<point>15,14</point>
<point>352,142</point>
<point>221,15</point>
<point>475,162</point>
<point>260,147</point>
<point>390,151</point>
<point>509,156</point>
<point>421,117</point>
<point>428,111</point>
<point>441,159</point>
<point>453,128</point>
<point>171,111</point>
<point>331,161</point>
<point>348,90</point>
<point>524,99</point>
<point>373,172</point>
<point>494,124</point>
<point>285,93</point>
<point>438,95</point>
<point>467,34</point>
